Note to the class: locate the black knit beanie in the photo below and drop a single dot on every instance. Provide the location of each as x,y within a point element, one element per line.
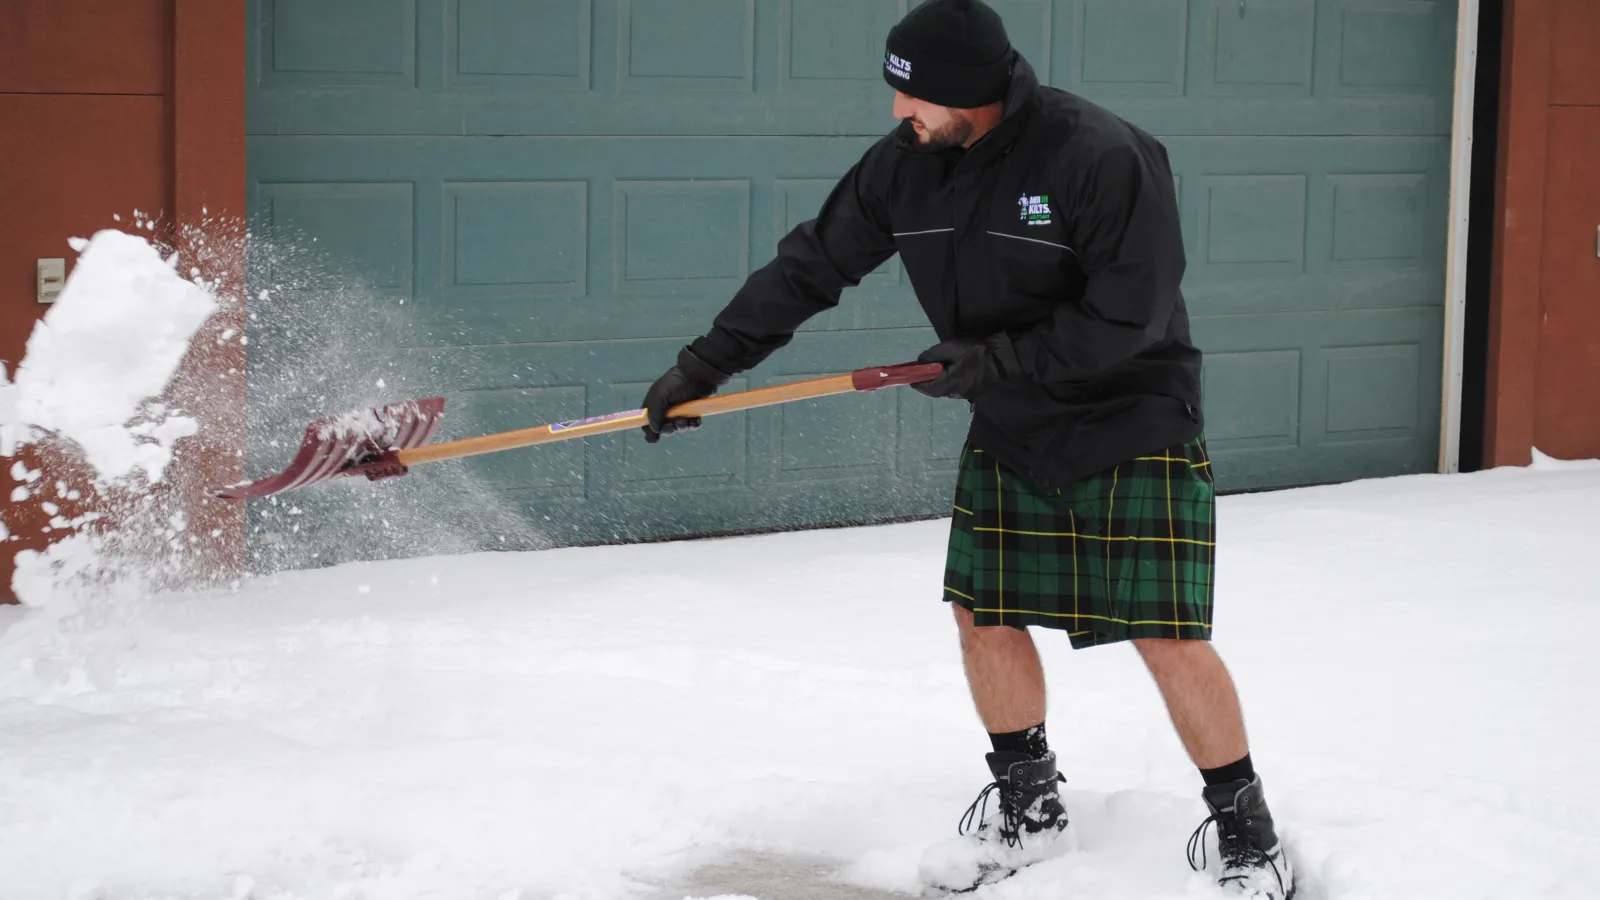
<point>950,52</point>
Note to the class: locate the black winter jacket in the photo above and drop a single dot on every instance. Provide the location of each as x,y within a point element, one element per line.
<point>1059,227</point>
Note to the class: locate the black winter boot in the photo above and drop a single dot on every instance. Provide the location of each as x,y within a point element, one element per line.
<point>1253,861</point>
<point>1028,826</point>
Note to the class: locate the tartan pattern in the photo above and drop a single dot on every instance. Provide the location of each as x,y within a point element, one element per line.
<point>1122,554</point>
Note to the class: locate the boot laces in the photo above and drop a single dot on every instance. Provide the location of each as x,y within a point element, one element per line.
<point>1239,855</point>
<point>1010,812</point>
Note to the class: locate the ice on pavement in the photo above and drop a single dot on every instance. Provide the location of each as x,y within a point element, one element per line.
<point>787,713</point>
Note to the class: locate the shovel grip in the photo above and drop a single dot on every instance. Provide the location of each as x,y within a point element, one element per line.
<point>877,377</point>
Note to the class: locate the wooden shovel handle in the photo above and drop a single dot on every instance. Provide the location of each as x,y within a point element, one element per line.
<point>767,396</point>
<point>860,380</point>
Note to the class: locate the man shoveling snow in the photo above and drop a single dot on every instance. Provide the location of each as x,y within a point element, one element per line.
<point>1085,497</point>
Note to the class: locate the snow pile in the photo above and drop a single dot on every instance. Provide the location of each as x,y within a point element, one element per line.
<point>785,717</point>
<point>103,353</point>
<point>93,394</point>
<point>1547,463</point>
<point>103,398</point>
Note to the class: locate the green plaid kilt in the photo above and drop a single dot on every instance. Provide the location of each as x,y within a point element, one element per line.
<point>1122,554</point>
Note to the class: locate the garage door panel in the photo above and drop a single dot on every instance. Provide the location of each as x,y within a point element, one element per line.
<point>1380,220</point>
<point>1253,399</point>
<point>514,240</point>
<point>1386,48</point>
<point>686,45</point>
<point>680,235</point>
<point>350,44</point>
<point>513,46</point>
<point>365,227</point>
<point>1372,391</point>
<point>1254,224</point>
<point>828,45</point>
<point>1124,47</point>
<point>1264,48</point>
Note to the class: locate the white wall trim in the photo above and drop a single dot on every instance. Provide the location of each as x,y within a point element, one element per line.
<point>1455,301</point>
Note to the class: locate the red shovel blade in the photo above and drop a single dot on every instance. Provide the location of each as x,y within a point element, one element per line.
<point>362,442</point>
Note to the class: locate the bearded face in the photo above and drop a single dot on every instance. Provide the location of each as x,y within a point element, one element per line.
<point>955,132</point>
<point>937,127</point>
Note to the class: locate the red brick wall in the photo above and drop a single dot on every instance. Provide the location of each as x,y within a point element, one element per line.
<point>107,107</point>
<point>1544,352</point>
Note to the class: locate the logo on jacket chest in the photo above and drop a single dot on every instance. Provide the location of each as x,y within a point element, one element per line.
<point>1035,209</point>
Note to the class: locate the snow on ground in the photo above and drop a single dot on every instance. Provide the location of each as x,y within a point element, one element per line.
<point>784,716</point>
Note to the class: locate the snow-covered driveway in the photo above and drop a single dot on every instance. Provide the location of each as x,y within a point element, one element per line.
<point>1417,658</point>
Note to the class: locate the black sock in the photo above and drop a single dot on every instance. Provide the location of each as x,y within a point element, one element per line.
<point>1241,770</point>
<point>1029,741</point>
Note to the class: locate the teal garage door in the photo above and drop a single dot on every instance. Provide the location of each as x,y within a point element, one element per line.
<point>562,192</point>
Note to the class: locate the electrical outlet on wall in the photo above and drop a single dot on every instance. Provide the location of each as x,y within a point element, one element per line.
<point>52,278</point>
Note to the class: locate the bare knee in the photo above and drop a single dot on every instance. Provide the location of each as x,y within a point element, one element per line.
<point>988,635</point>
<point>966,627</point>
<point>1159,653</point>
<point>1155,648</point>
<point>963,617</point>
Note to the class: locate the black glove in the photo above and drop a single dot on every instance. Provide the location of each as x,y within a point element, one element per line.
<point>969,365</point>
<point>691,379</point>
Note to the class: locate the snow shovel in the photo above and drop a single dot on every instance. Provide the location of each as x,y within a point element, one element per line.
<point>387,442</point>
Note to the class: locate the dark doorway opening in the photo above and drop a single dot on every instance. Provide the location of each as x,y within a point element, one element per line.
<point>1480,233</point>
